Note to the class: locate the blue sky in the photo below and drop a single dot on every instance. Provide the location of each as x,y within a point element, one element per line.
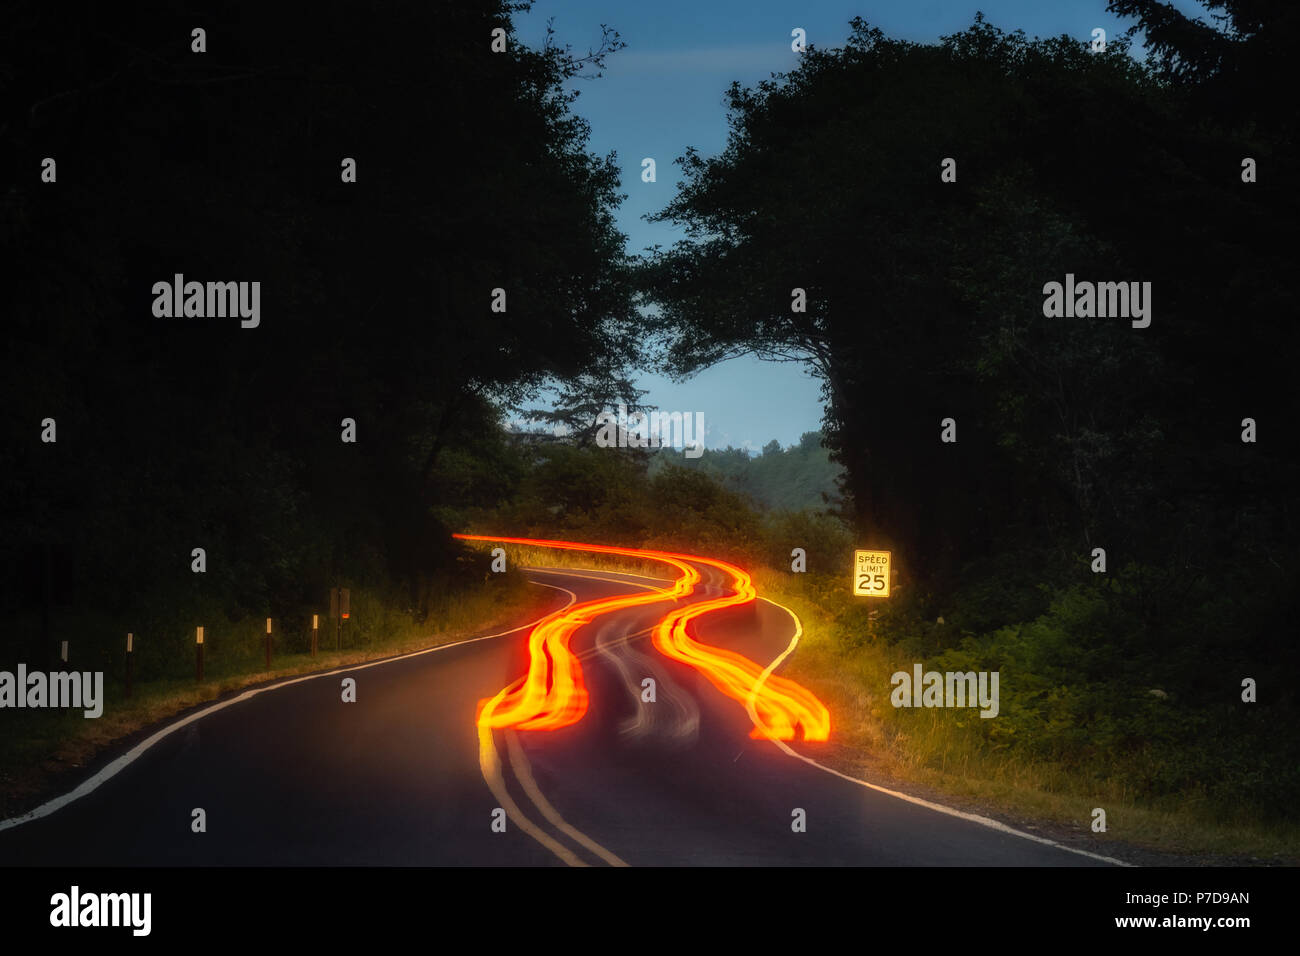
<point>664,92</point>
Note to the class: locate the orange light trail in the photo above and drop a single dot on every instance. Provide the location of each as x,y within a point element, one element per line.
<point>780,705</point>
<point>553,694</point>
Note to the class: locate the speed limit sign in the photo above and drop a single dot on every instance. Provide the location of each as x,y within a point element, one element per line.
<point>871,573</point>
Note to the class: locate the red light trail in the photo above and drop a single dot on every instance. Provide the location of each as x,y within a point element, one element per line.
<point>553,694</point>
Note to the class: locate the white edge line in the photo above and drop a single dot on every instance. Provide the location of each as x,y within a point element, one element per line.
<point>112,769</point>
<point>938,807</point>
<point>117,766</point>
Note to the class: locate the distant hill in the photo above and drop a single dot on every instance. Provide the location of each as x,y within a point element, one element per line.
<point>778,479</point>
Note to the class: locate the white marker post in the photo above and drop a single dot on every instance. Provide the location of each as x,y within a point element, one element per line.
<point>198,663</point>
<point>130,656</point>
<point>63,652</point>
<point>315,632</point>
<point>268,643</point>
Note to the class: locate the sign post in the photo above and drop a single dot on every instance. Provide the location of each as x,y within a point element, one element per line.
<point>268,643</point>
<point>334,616</point>
<point>344,606</point>
<point>198,662</point>
<point>315,631</point>
<point>340,608</point>
<point>130,655</point>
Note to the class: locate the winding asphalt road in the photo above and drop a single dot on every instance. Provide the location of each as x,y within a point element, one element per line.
<point>294,776</point>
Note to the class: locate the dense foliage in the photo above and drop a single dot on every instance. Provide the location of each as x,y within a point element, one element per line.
<point>925,302</point>
<point>226,165</point>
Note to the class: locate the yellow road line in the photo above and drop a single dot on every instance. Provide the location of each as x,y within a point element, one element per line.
<point>490,763</point>
<point>524,774</point>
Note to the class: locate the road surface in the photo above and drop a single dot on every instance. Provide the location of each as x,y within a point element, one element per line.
<point>403,776</point>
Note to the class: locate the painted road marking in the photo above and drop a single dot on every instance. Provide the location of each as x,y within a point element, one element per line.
<point>124,761</point>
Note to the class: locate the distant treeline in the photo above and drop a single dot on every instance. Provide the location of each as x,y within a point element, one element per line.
<point>796,478</point>
<point>641,498</point>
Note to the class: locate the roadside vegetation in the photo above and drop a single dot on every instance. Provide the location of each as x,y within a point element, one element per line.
<point>1080,726</point>
<point>42,748</point>
<point>1104,697</point>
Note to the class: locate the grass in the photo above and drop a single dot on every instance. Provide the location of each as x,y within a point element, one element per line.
<point>930,747</point>
<point>529,556</point>
<point>41,749</point>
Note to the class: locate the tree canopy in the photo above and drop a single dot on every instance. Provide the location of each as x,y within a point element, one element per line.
<point>925,297</point>
<point>472,173</point>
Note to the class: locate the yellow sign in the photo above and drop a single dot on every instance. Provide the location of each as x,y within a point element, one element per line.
<point>871,573</point>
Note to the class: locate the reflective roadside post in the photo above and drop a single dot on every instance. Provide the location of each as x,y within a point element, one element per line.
<point>345,600</point>
<point>334,616</point>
